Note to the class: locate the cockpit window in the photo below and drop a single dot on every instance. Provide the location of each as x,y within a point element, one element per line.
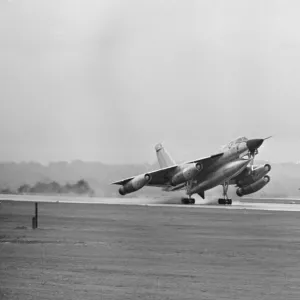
<point>234,142</point>
<point>237,141</point>
<point>241,139</point>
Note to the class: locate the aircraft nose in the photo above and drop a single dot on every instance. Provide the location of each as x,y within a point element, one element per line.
<point>254,144</point>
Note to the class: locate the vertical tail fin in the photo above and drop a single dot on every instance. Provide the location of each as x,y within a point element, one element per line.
<point>163,157</point>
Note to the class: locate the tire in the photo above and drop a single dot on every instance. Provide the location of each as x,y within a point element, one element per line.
<point>184,201</point>
<point>187,201</point>
<point>225,201</point>
<point>192,201</point>
<point>221,201</point>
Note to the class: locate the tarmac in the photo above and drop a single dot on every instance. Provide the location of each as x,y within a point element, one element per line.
<point>272,204</point>
<point>148,251</point>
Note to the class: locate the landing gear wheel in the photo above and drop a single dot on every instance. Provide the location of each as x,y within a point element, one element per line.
<point>223,201</point>
<point>184,201</point>
<point>192,201</point>
<point>188,201</point>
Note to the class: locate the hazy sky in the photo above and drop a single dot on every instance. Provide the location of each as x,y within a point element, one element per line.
<point>107,80</point>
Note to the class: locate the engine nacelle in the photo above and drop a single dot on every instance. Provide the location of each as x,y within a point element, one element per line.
<point>249,177</point>
<point>254,187</point>
<point>134,184</point>
<point>187,173</point>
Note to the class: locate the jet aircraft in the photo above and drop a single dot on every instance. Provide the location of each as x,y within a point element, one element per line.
<point>233,165</point>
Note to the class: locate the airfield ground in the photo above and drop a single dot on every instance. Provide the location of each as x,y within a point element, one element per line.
<point>100,251</point>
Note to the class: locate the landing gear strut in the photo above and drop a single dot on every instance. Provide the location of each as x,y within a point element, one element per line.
<point>225,200</point>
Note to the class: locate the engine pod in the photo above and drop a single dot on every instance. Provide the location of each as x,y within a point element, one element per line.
<point>135,184</point>
<point>187,173</point>
<point>250,176</point>
<point>254,187</point>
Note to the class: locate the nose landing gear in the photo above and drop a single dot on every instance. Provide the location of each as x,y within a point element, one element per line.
<point>225,200</point>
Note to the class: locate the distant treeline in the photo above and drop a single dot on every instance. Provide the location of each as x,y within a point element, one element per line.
<point>81,188</point>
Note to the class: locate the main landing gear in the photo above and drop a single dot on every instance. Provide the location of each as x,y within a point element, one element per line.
<point>225,200</point>
<point>188,201</point>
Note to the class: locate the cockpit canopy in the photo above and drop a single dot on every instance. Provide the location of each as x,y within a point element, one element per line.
<point>235,142</point>
<point>240,140</point>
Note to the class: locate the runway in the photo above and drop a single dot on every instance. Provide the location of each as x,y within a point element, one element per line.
<point>240,205</point>
<point>152,251</point>
<point>275,204</point>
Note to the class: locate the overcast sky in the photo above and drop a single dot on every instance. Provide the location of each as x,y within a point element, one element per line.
<point>106,80</point>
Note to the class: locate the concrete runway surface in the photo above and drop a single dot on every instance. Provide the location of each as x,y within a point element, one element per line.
<point>92,251</point>
<point>275,204</point>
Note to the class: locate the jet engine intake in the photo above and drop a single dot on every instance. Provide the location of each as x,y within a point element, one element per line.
<point>254,187</point>
<point>135,184</point>
<point>187,173</point>
<point>249,177</point>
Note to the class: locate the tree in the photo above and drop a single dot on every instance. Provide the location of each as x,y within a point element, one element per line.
<point>23,189</point>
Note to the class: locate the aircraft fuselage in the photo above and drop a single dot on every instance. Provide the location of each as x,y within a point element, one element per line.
<point>225,167</point>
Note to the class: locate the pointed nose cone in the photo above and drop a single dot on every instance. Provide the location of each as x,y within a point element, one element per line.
<point>254,144</point>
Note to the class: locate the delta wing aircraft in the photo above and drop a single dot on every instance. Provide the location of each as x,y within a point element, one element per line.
<point>233,165</point>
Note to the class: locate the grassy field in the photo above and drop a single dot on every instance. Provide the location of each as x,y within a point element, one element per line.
<point>90,251</point>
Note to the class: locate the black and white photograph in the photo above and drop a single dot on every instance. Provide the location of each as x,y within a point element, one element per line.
<point>150,149</point>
